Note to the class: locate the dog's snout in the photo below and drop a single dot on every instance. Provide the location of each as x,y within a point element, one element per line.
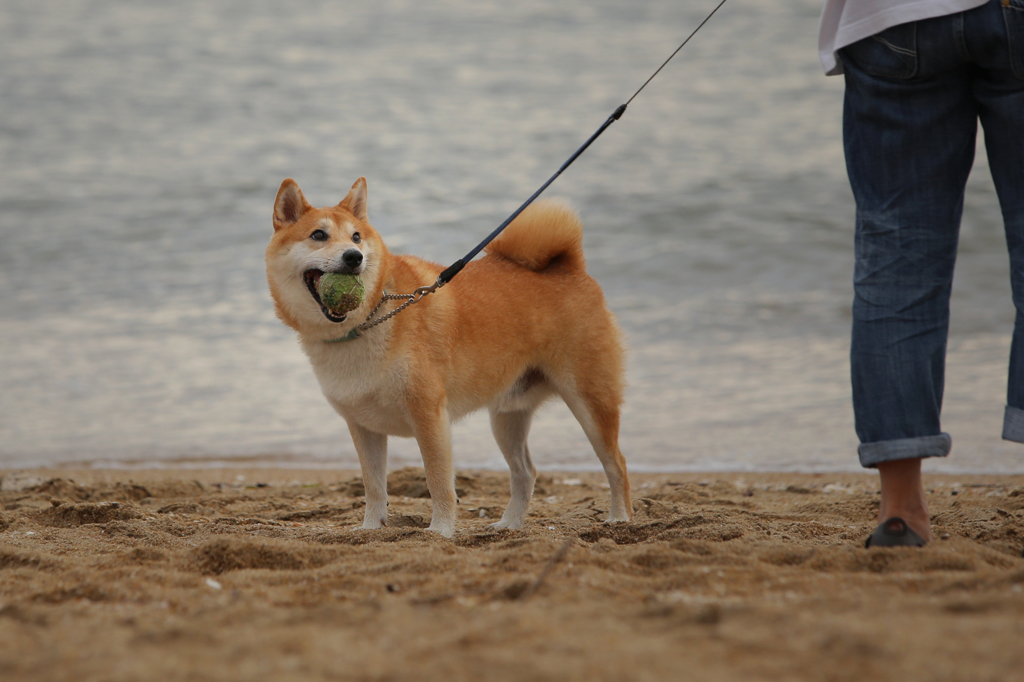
<point>352,258</point>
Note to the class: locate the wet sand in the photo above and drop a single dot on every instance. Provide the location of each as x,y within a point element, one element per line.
<point>259,574</point>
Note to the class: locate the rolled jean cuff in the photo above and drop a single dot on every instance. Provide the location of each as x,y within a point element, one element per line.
<point>1013,424</point>
<point>873,454</point>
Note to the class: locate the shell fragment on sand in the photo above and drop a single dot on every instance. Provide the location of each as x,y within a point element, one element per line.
<point>340,293</point>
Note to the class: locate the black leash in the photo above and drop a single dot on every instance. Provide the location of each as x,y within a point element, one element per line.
<point>455,267</point>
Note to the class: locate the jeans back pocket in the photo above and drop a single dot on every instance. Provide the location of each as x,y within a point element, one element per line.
<point>889,54</point>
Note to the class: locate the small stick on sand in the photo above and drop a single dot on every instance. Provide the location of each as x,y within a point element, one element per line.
<point>548,567</point>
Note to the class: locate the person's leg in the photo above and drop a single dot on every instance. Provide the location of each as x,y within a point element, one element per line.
<point>999,87</point>
<point>909,134</point>
<point>903,495</point>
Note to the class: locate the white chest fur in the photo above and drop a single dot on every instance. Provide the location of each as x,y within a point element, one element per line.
<point>361,384</point>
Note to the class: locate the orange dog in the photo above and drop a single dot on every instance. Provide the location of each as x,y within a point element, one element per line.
<point>516,327</point>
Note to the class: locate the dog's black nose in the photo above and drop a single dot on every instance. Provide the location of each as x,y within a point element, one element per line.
<point>352,258</point>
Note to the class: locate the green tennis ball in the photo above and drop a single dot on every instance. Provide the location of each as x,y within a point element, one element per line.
<point>340,293</point>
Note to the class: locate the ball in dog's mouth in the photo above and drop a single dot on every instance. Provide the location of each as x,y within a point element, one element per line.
<point>337,293</point>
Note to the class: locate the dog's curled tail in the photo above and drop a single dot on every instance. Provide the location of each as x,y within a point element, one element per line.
<point>545,231</point>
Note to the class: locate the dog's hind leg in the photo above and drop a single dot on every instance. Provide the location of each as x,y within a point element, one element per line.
<point>510,430</point>
<point>372,449</point>
<point>600,421</point>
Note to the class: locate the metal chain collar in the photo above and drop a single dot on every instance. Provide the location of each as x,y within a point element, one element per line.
<point>414,297</point>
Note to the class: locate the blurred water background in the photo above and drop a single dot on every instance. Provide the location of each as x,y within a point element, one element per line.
<point>142,144</point>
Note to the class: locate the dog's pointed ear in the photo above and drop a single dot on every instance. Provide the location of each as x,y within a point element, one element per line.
<point>290,205</point>
<point>355,200</point>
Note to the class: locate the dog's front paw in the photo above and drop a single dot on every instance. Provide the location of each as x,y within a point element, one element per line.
<point>507,524</point>
<point>374,523</point>
<point>445,529</point>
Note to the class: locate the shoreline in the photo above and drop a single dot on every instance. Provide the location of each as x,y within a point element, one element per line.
<point>226,469</point>
<point>257,573</point>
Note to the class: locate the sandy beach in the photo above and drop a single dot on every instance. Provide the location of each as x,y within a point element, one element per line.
<point>245,574</point>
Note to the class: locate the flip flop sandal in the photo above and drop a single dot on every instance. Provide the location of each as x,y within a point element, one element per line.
<point>894,532</point>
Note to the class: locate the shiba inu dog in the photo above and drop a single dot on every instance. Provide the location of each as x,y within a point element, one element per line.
<point>523,324</point>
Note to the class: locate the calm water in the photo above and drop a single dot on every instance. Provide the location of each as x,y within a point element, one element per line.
<point>142,144</point>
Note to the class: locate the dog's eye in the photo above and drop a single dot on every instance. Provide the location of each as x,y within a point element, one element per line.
<point>319,235</point>
<point>356,238</point>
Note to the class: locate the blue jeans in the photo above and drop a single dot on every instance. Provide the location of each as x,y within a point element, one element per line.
<point>914,95</point>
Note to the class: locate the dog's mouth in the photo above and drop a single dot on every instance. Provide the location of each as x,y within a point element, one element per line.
<point>312,279</point>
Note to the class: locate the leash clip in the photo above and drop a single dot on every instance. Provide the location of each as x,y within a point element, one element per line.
<point>423,291</point>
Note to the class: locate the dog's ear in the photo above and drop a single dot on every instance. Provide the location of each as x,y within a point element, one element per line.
<point>355,200</point>
<point>290,205</point>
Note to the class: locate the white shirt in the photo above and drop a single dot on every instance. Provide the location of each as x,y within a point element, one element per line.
<point>846,21</point>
